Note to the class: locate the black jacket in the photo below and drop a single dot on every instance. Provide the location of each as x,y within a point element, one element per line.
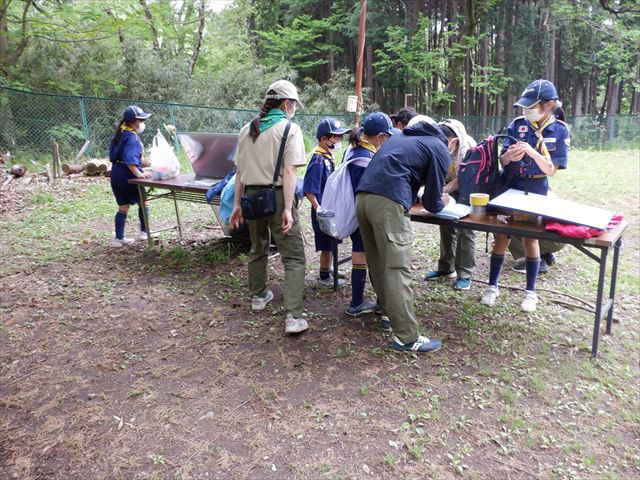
<point>418,156</point>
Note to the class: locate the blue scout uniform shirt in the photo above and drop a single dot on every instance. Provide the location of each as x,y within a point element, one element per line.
<point>128,150</point>
<point>406,162</point>
<point>319,168</point>
<point>556,138</point>
<point>363,150</point>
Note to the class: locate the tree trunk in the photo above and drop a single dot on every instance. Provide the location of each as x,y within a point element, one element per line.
<point>154,30</point>
<point>198,39</point>
<point>411,15</point>
<point>96,166</point>
<point>69,168</point>
<point>634,106</point>
<point>578,93</point>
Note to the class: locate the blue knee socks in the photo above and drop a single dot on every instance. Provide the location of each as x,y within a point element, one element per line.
<point>358,281</point>
<point>121,220</point>
<point>495,265</point>
<point>532,266</point>
<point>146,211</point>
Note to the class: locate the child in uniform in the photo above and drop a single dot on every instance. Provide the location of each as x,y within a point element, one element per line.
<point>541,150</point>
<point>125,152</point>
<point>329,134</point>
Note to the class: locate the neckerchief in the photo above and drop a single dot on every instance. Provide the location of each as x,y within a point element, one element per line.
<point>540,146</point>
<point>367,145</point>
<point>325,154</point>
<point>126,127</point>
<point>273,116</point>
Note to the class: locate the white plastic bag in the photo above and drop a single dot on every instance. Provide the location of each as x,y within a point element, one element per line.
<point>164,163</point>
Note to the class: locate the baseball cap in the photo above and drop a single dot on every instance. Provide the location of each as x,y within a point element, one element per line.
<point>132,112</point>
<point>282,90</point>
<point>421,118</point>
<point>377,122</point>
<point>456,127</point>
<point>330,126</point>
<point>536,91</point>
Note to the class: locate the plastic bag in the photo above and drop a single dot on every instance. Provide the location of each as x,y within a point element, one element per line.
<point>164,163</point>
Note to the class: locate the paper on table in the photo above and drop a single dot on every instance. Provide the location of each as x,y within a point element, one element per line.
<point>554,208</point>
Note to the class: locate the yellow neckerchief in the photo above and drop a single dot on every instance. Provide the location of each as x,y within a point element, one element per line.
<point>126,127</point>
<point>367,145</point>
<point>324,152</point>
<point>540,146</point>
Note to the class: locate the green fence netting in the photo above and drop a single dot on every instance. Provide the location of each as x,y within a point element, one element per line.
<point>30,121</point>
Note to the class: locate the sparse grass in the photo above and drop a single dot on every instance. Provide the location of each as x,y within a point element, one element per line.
<point>199,383</point>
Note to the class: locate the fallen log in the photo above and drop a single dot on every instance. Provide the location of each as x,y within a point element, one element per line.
<point>18,170</point>
<point>95,166</point>
<point>69,168</point>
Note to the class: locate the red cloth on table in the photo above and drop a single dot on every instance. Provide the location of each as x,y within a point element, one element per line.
<point>580,231</point>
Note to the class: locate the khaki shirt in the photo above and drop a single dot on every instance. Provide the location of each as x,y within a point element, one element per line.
<point>257,161</point>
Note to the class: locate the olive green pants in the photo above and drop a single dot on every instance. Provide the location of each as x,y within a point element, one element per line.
<point>290,247</point>
<point>386,232</point>
<point>457,251</point>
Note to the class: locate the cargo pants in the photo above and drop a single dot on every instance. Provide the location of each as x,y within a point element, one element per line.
<point>290,247</point>
<point>457,251</point>
<point>386,232</point>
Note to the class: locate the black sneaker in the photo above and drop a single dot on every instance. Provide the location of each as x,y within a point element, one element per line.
<point>521,266</point>
<point>550,258</point>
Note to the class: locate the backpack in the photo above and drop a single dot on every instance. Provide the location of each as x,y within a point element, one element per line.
<point>479,171</point>
<point>337,214</point>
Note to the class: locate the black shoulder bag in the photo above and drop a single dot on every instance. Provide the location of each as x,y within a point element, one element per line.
<point>263,203</point>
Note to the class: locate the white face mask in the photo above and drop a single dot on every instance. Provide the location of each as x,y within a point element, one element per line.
<point>335,147</point>
<point>290,114</point>
<point>532,114</point>
<point>141,127</point>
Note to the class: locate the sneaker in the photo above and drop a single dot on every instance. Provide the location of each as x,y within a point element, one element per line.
<point>521,266</point>
<point>550,258</point>
<point>462,284</point>
<point>295,325</point>
<point>439,275</point>
<point>258,302</point>
<point>385,324</point>
<point>489,296</point>
<point>529,302</point>
<point>421,345</point>
<point>142,236</point>
<point>121,242</point>
<point>328,282</point>
<point>364,307</point>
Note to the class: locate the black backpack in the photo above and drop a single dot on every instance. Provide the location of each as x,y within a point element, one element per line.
<point>479,171</point>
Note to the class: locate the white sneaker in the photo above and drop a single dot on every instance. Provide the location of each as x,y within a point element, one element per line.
<point>489,296</point>
<point>259,302</point>
<point>142,236</point>
<point>117,242</point>
<point>295,325</point>
<point>529,302</point>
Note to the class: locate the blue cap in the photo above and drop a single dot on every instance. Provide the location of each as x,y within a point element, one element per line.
<point>536,91</point>
<point>330,126</point>
<point>132,112</point>
<point>377,122</point>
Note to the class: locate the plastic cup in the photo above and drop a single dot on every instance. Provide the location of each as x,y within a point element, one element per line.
<point>478,205</point>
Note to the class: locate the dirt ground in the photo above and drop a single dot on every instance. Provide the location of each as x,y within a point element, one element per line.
<point>129,364</point>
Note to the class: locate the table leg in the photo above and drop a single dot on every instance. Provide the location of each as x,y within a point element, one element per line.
<point>336,263</point>
<point>614,277</point>
<point>145,218</point>
<point>596,323</point>
<point>175,203</point>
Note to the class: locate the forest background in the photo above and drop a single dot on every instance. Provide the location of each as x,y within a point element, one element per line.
<point>455,57</point>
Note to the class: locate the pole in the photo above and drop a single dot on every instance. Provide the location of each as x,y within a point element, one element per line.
<point>360,64</point>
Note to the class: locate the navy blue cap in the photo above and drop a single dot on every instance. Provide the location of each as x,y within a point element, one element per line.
<point>330,126</point>
<point>536,91</point>
<point>377,122</point>
<point>132,112</point>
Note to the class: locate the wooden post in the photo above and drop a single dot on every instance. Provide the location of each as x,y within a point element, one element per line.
<point>55,148</point>
<point>360,64</point>
<point>84,147</point>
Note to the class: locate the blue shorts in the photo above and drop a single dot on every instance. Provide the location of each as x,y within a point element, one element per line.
<point>125,193</point>
<point>357,245</point>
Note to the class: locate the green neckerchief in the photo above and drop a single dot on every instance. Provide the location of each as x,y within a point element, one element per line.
<point>275,115</point>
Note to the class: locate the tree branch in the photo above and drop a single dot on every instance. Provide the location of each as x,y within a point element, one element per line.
<point>149,18</point>
<point>198,40</point>
<point>605,4</point>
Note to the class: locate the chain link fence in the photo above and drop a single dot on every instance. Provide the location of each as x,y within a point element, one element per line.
<point>30,121</point>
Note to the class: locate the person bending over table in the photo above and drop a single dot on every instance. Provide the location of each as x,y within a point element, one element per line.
<point>258,146</point>
<point>540,151</point>
<point>387,190</point>
<point>125,152</point>
<point>457,246</point>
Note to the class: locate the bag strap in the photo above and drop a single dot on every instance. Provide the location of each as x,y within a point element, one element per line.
<point>280,154</point>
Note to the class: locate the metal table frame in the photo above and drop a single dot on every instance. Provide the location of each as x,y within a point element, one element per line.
<point>604,243</point>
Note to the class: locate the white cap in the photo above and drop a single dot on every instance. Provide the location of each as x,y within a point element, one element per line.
<point>421,118</point>
<point>283,89</point>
